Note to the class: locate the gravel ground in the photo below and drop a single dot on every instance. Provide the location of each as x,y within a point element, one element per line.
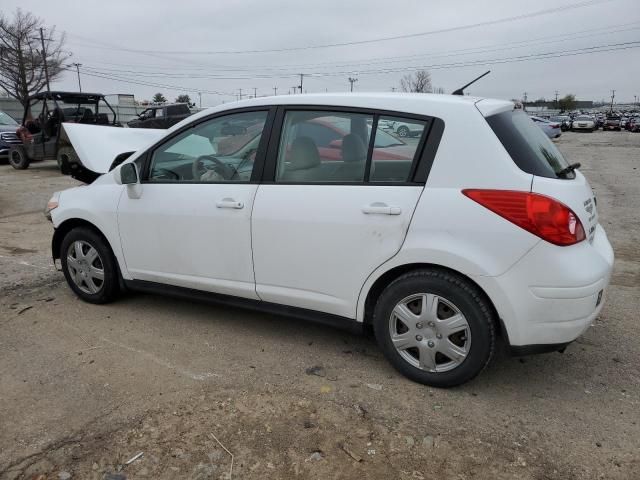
<point>212,392</point>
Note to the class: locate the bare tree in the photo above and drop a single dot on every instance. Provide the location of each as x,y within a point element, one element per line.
<point>419,81</point>
<point>21,61</point>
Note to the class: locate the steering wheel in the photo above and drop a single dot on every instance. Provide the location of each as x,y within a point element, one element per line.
<point>222,169</point>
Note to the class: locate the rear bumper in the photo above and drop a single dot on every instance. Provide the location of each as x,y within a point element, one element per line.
<point>553,294</point>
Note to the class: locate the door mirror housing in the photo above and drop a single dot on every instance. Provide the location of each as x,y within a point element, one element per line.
<point>127,174</point>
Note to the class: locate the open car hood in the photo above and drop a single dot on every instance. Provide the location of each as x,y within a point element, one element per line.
<point>98,146</point>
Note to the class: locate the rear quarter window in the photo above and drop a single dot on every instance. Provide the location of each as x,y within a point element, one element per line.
<point>528,146</point>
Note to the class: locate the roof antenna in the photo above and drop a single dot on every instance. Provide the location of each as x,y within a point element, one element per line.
<point>460,91</point>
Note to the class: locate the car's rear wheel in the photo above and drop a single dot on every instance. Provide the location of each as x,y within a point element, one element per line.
<point>403,131</point>
<point>435,327</point>
<point>18,158</point>
<point>89,266</point>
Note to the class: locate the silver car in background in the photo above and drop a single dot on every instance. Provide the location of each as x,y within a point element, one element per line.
<point>552,129</point>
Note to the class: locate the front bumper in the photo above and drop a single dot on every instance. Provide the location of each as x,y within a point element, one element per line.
<point>553,294</point>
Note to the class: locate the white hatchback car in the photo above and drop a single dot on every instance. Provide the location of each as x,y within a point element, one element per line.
<point>303,206</point>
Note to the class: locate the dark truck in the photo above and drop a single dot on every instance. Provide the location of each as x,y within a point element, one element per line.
<point>612,123</point>
<point>161,116</point>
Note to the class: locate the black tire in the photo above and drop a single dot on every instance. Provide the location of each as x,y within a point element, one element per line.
<point>18,158</point>
<point>456,290</point>
<point>109,288</point>
<point>403,131</point>
<point>66,156</point>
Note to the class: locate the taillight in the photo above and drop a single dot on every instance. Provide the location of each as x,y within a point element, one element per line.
<point>543,216</point>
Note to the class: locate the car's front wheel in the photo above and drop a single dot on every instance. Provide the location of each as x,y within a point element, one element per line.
<point>89,266</point>
<point>435,327</point>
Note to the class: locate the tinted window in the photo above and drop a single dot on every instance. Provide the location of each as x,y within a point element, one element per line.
<point>527,144</point>
<point>209,152</point>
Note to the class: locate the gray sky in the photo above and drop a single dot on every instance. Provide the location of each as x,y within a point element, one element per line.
<point>100,32</point>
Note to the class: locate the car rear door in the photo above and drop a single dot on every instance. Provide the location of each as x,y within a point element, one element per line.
<point>320,226</point>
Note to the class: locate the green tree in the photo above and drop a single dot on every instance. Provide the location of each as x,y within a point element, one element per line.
<point>159,98</point>
<point>568,102</point>
<point>183,99</point>
<point>21,64</point>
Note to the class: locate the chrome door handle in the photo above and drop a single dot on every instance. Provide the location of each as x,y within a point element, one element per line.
<point>229,203</point>
<point>379,208</point>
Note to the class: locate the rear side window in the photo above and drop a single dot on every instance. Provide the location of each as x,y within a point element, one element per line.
<point>528,146</point>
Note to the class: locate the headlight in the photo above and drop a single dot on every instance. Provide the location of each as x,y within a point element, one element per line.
<point>52,204</point>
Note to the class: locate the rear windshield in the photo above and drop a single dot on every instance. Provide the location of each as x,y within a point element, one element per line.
<point>528,145</point>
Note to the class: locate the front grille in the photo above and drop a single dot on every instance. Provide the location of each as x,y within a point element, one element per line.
<point>9,137</point>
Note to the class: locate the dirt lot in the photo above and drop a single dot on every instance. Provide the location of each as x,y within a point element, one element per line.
<point>85,388</point>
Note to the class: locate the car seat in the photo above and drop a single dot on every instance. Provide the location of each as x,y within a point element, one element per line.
<point>305,160</point>
<point>354,157</point>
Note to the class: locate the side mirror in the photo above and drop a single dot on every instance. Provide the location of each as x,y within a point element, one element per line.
<point>127,174</point>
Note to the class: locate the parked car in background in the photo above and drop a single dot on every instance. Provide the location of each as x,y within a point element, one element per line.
<point>623,122</point>
<point>634,124</point>
<point>563,120</point>
<point>552,129</point>
<point>161,116</point>
<point>612,123</point>
<point>401,129</point>
<point>482,230</point>
<point>583,123</point>
<point>8,136</point>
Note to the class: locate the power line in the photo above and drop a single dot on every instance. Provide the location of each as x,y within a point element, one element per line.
<point>152,84</point>
<point>538,13</point>
<point>518,58</point>
<point>610,29</point>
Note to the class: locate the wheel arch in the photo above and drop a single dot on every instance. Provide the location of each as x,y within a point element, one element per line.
<point>385,278</point>
<point>71,223</point>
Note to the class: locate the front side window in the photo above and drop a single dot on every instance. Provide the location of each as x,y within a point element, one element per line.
<point>211,152</point>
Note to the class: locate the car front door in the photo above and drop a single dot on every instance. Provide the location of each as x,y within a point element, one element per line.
<point>188,222</point>
<point>321,226</point>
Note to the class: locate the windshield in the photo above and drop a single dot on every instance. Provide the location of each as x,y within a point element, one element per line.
<point>6,119</point>
<point>528,145</point>
<point>583,118</point>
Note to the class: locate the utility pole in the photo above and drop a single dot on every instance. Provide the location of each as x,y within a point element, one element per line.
<point>200,98</point>
<point>44,59</point>
<point>613,95</point>
<point>352,81</point>
<point>77,65</point>
<point>301,77</point>
<point>275,91</point>
<point>525,97</point>
<point>556,99</point>
<point>295,87</point>
<point>255,92</point>
<point>240,94</point>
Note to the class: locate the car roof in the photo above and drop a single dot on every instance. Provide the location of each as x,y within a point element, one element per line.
<point>419,103</point>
